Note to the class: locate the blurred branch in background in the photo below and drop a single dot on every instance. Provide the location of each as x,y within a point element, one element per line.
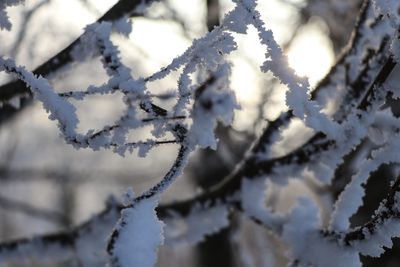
<point>285,148</point>
<point>18,89</point>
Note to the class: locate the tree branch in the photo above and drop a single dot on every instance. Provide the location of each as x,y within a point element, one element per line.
<point>19,89</point>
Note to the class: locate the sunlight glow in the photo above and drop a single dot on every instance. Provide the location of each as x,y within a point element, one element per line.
<point>311,54</point>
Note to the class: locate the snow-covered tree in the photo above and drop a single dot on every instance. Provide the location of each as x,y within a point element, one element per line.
<point>350,119</point>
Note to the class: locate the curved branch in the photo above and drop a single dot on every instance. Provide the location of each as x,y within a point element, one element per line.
<point>250,167</point>
<point>62,58</point>
<point>387,209</point>
<point>175,170</point>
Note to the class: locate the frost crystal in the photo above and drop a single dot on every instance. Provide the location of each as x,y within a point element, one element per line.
<point>140,235</point>
<point>364,126</point>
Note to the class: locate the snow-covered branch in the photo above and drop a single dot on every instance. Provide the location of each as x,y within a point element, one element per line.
<point>358,88</point>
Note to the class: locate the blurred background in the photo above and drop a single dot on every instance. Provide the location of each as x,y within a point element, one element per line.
<point>48,186</point>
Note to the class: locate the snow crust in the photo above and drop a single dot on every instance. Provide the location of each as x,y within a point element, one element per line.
<point>140,235</point>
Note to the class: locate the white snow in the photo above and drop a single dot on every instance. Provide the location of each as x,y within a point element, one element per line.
<point>140,235</point>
